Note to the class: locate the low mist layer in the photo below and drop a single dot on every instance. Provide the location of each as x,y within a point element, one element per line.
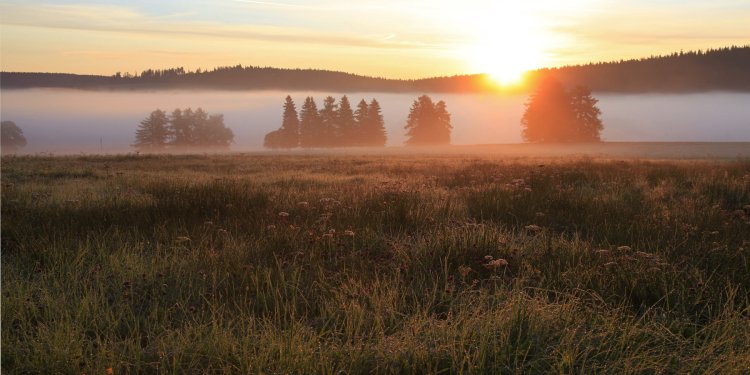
<point>72,121</point>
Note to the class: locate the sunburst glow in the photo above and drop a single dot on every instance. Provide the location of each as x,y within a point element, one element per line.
<point>507,40</point>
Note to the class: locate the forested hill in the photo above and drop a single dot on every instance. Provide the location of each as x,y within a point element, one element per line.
<point>718,69</point>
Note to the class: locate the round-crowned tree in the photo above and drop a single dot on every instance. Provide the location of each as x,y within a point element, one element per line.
<point>556,115</point>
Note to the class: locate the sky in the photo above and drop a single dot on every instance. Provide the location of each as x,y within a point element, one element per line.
<point>384,38</point>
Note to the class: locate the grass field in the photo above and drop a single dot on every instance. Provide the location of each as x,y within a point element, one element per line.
<point>374,264</point>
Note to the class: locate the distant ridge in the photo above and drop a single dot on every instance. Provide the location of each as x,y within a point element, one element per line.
<point>716,69</point>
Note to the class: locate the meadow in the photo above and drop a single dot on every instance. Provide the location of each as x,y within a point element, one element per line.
<point>374,264</point>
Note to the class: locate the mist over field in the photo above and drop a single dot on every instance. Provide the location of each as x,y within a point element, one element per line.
<point>73,121</point>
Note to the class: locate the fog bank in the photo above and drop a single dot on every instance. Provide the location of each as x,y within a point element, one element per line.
<point>72,121</point>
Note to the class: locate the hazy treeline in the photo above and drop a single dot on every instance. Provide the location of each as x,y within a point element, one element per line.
<point>714,69</point>
<point>333,125</point>
<point>182,129</point>
<point>338,125</point>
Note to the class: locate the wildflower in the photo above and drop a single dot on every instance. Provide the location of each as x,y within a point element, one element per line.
<point>624,248</point>
<point>283,215</point>
<point>602,252</point>
<point>464,270</point>
<point>496,263</point>
<point>488,257</point>
<point>109,371</point>
<point>540,214</point>
<point>349,233</point>
<point>303,204</point>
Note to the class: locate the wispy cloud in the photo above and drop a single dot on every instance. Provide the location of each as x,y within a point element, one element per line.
<point>125,20</point>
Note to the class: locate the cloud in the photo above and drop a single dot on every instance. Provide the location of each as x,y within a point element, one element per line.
<point>104,18</point>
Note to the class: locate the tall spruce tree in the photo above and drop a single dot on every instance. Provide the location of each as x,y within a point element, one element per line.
<point>328,122</point>
<point>346,130</point>
<point>310,125</point>
<point>152,132</point>
<point>290,125</point>
<point>361,118</point>
<point>373,128</point>
<point>288,135</point>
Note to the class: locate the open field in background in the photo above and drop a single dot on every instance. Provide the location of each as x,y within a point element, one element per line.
<point>429,263</point>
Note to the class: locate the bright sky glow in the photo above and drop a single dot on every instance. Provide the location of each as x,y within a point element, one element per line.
<point>388,38</point>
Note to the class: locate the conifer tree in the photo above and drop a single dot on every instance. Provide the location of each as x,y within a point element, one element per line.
<point>328,122</point>
<point>361,118</point>
<point>373,130</point>
<point>288,135</point>
<point>428,124</point>
<point>346,130</point>
<point>290,125</point>
<point>310,126</point>
<point>152,133</point>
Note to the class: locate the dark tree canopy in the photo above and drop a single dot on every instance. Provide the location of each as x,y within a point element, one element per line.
<point>554,114</point>
<point>11,137</point>
<point>428,123</point>
<point>183,129</point>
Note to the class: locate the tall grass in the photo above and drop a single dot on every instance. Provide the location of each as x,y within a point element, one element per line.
<point>374,264</point>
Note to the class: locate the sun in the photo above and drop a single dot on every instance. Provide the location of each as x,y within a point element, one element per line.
<point>506,41</point>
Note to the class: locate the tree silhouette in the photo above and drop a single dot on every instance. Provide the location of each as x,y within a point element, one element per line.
<point>370,126</point>
<point>152,133</point>
<point>11,137</point>
<point>288,135</point>
<point>346,126</point>
<point>180,128</point>
<point>428,123</point>
<point>309,125</point>
<point>361,118</point>
<point>217,134</point>
<point>184,129</point>
<point>328,122</point>
<point>554,114</point>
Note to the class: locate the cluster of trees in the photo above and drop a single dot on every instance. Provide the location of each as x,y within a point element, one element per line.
<point>11,137</point>
<point>333,125</point>
<point>182,129</point>
<point>557,115</point>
